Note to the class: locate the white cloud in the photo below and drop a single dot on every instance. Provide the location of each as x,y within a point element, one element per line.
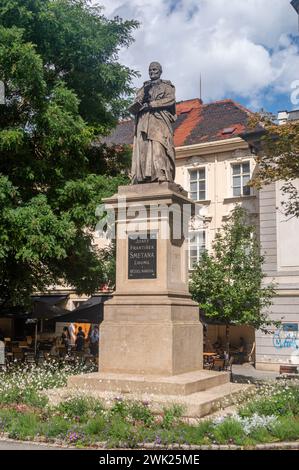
<point>240,47</point>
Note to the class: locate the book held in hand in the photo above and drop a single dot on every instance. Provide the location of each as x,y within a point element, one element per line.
<point>135,107</point>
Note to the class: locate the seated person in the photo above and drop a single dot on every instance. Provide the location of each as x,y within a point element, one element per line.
<point>240,353</point>
<point>218,347</point>
<point>54,351</point>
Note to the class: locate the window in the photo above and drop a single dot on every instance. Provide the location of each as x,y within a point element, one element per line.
<point>241,178</point>
<point>198,184</point>
<point>197,244</point>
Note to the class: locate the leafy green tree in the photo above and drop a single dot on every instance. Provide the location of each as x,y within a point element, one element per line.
<point>277,150</point>
<point>227,283</point>
<point>64,87</point>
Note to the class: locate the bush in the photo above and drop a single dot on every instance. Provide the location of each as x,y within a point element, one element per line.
<point>80,408</point>
<point>286,429</point>
<point>24,426</point>
<point>282,401</point>
<point>172,415</point>
<point>140,412</point>
<point>57,426</point>
<point>229,432</point>
<point>95,426</point>
<point>121,433</point>
<point>119,408</point>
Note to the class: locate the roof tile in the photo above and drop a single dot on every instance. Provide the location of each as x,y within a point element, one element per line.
<point>196,123</point>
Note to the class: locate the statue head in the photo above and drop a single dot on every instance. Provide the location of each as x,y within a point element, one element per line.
<point>155,70</point>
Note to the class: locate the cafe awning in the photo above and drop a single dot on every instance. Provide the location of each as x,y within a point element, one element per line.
<point>50,299</point>
<point>47,306</point>
<point>90,311</point>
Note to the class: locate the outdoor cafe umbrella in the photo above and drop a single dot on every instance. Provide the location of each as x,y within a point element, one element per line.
<point>44,311</point>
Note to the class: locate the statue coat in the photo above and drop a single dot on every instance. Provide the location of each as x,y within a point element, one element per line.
<point>153,148</point>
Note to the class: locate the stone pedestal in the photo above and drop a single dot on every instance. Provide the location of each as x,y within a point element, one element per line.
<point>151,344</point>
<point>151,326</point>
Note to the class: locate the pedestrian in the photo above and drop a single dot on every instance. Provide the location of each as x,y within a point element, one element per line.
<point>66,338</point>
<point>80,339</point>
<point>94,341</point>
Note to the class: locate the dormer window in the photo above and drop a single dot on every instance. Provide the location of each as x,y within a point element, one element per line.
<point>228,130</point>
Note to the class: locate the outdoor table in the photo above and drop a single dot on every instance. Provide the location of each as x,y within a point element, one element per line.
<point>208,358</point>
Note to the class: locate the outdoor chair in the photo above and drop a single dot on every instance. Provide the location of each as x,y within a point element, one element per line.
<point>18,355</point>
<point>29,341</point>
<point>251,353</point>
<point>8,357</point>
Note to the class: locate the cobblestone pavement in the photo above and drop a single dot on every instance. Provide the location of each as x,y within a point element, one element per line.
<point>11,445</point>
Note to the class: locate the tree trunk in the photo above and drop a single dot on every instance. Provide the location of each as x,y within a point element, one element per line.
<point>227,332</point>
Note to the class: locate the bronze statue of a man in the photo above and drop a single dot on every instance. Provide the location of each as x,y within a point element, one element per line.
<point>154,110</point>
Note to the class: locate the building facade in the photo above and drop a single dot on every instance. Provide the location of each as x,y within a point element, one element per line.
<point>214,165</point>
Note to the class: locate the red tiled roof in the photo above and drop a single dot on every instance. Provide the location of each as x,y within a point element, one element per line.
<point>196,123</point>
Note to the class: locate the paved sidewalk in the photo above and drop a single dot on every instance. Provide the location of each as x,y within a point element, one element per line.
<point>10,445</point>
<point>247,371</point>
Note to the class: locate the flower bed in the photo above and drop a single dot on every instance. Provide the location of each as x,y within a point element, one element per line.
<point>271,414</point>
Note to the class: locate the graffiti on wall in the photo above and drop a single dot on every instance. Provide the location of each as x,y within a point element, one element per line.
<point>286,337</point>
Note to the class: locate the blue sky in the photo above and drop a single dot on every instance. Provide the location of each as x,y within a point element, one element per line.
<point>247,50</point>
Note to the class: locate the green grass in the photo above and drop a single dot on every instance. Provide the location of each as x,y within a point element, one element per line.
<point>55,427</point>
<point>83,421</point>
<point>229,432</point>
<point>96,426</point>
<point>283,401</point>
<point>286,429</point>
<point>24,426</point>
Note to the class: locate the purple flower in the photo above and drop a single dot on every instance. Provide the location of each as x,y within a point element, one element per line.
<point>73,437</point>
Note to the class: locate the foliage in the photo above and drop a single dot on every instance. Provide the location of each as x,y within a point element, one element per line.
<point>286,429</point>
<point>82,420</point>
<point>282,400</point>
<point>278,160</point>
<point>229,431</point>
<point>172,415</point>
<point>227,283</point>
<point>64,88</point>
<point>22,384</point>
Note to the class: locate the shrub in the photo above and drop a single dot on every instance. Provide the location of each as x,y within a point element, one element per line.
<point>57,426</point>
<point>78,408</point>
<point>95,426</point>
<point>140,412</point>
<point>286,429</point>
<point>121,433</point>
<point>172,415</point>
<point>24,425</point>
<point>120,408</point>
<point>229,431</point>
<point>278,400</point>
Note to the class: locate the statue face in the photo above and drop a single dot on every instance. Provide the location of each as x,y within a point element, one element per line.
<point>155,71</point>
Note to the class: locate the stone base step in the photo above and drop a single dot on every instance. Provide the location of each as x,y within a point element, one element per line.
<point>181,385</point>
<point>195,405</point>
